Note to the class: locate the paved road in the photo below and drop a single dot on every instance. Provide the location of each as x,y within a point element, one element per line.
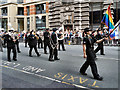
<point>38,72</point>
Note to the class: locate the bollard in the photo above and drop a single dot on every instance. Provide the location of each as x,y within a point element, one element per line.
<point>68,42</point>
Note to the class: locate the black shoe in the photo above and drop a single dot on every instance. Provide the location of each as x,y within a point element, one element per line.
<point>19,51</point>
<point>56,59</point>
<point>59,50</point>
<point>98,78</point>
<point>102,54</point>
<point>41,47</point>
<point>15,59</point>
<point>30,56</point>
<point>9,60</point>
<point>64,50</point>
<point>39,55</point>
<point>50,60</point>
<point>83,73</point>
<point>45,53</point>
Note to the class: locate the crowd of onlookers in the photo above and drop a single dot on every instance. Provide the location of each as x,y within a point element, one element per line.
<point>70,37</point>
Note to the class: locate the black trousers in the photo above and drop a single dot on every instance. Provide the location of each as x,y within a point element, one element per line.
<point>61,43</point>
<point>100,47</point>
<point>17,45</point>
<point>39,44</point>
<point>9,52</point>
<point>53,52</point>
<point>92,65</point>
<point>26,41</point>
<point>31,48</point>
<point>46,44</point>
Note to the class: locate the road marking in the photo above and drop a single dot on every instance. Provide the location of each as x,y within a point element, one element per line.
<point>74,79</point>
<point>83,80</point>
<point>25,68</point>
<point>100,57</point>
<point>45,77</point>
<point>110,58</point>
<point>66,83</point>
<point>64,76</point>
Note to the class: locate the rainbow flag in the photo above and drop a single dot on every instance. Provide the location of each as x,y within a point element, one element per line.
<point>108,21</point>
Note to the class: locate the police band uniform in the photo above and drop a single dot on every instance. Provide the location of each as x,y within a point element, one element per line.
<point>53,46</point>
<point>90,58</point>
<point>32,42</point>
<point>46,40</point>
<point>100,45</point>
<point>26,39</point>
<point>17,43</point>
<point>39,41</point>
<point>1,45</point>
<point>11,46</point>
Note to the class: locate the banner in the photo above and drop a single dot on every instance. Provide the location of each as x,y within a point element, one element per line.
<point>117,31</point>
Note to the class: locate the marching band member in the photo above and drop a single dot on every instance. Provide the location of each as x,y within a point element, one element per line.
<point>10,40</point>
<point>53,48</point>
<point>61,40</point>
<point>32,42</point>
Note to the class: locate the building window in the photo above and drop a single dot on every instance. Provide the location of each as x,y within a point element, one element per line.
<point>3,1</point>
<point>19,1</point>
<point>95,14</point>
<point>28,24</point>
<point>4,11</point>
<point>116,11</point>
<point>41,9</point>
<point>20,10</point>
<point>41,23</point>
<point>67,2</point>
<point>5,24</point>
<point>96,17</point>
<point>28,10</point>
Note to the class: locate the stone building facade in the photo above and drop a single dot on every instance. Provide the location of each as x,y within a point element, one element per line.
<point>40,14</point>
<point>77,15</point>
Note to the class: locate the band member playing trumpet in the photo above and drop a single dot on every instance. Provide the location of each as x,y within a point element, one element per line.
<point>10,40</point>
<point>32,42</point>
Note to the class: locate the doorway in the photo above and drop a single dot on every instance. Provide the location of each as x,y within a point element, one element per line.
<point>68,27</point>
<point>20,24</point>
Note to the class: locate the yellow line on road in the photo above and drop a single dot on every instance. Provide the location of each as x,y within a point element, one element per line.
<point>66,83</point>
<point>45,77</point>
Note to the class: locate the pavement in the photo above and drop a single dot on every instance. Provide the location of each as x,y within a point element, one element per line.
<point>38,72</point>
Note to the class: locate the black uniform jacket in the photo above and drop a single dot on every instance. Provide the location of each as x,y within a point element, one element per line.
<point>54,38</point>
<point>98,37</point>
<point>59,35</point>
<point>89,50</point>
<point>32,40</point>
<point>46,36</point>
<point>39,40</point>
<point>10,42</point>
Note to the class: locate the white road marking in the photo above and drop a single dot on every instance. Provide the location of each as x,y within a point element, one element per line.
<point>45,77</point>
<point>100,57</point>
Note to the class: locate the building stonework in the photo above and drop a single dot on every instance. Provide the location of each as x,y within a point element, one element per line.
<point>70,16</point>
<point>40,14</point>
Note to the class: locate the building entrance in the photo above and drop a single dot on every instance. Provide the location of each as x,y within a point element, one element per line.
<point>20,24</point>
<point>68,27</point>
